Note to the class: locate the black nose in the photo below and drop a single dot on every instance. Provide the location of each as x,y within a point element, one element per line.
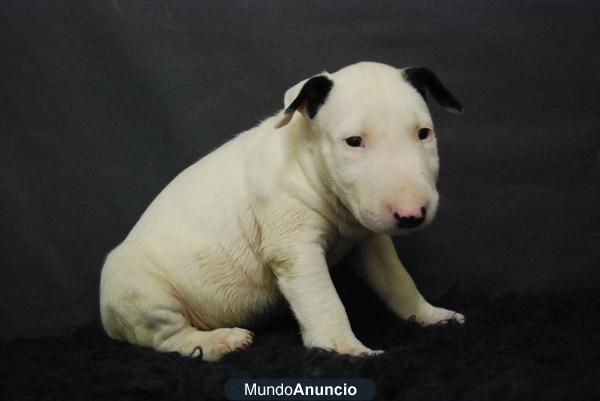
<point>411,221</point>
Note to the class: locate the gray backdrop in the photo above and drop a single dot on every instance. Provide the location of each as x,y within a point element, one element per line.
<point>104,102</point>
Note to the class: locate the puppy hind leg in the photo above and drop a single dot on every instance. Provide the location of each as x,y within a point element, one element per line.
<point>164,328</point>
<point>180,336</point>
<point>209,345</point>
<point>138,307</point>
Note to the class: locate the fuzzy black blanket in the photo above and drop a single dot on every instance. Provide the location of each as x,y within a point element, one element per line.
<point>512,348</point>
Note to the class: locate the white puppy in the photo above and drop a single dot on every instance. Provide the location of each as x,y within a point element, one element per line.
<point>351,160</point>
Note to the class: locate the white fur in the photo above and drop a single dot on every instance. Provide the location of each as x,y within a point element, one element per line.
<point>262,217</point>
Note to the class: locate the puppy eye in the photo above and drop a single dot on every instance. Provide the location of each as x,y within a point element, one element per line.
<point>354,141</point>
<point>424,133</point>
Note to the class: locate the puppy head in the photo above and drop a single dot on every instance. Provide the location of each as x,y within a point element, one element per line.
<point>374,141</point>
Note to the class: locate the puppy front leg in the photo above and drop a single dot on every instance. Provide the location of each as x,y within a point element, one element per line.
<point>378,264</point>
<point>307,286</point>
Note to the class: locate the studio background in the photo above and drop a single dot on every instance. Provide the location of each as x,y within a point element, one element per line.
<point>104,102</point>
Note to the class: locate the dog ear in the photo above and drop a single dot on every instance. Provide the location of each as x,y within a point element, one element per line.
<point>424,80</point>
<point>306,97</point>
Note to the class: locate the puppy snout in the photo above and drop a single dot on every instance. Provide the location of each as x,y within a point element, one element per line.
<point>411,217</point>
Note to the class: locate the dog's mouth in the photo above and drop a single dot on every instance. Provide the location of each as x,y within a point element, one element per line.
<point>381,221</point>
<point>408,230</point>
<point>376,222</point>
<point>392,225</point>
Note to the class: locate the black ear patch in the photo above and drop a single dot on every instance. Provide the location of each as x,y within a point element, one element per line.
<point>424,80</point>
<point>312,96</point>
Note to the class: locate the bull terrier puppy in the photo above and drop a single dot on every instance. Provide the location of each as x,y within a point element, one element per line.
<point>350,160</point>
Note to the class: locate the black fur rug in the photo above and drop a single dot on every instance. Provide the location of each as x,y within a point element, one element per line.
<point>512,348</point>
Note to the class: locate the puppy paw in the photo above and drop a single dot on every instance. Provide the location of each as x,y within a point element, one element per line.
<point>356,350</point>
<point>349,347</point>
<point>222,341</point>
<point>430,315</point>
<point>372,352</point>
